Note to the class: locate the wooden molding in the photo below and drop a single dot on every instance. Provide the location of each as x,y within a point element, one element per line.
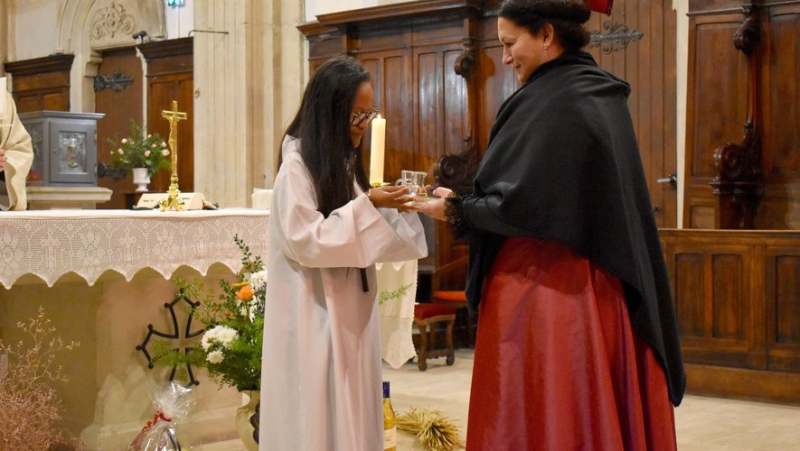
<point>738,383</point>
<point>52,63</point>
<point>165,49</point>
<point>399,11</point>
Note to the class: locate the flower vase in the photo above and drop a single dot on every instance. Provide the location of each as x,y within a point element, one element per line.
<point>141,179</point>
<point>243,415</point>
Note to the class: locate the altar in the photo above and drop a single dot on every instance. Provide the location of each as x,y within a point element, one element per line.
<point>102,277</point>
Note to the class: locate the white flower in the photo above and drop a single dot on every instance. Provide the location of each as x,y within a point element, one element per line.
<point>215,357</point>
<point>124,141</point>
<point>226,335</point>
<point>258,280</point>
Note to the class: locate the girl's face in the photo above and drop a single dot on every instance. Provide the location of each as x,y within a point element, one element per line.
<point>363,103</point>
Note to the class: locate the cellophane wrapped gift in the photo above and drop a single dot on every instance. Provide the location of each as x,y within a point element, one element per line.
<point>172,402</point>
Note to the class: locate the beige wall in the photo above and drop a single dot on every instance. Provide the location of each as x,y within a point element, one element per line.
<point>248,85</point>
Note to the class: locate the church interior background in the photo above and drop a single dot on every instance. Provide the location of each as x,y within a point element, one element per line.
<point>238,69</point>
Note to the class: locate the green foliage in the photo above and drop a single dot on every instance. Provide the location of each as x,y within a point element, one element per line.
<point>387,295</point>
<point>140,150</point>
<point>230,348</point>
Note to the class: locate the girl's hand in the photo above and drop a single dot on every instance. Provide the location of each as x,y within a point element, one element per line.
<point>390,197</point>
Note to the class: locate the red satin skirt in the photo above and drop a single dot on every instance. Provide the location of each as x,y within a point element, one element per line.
<point>557,365</point>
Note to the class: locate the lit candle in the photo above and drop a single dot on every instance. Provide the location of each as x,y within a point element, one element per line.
<point>377,149</point>
<point>2,97</point>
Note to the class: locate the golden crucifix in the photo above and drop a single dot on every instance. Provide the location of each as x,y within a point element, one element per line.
<point>173,202</point>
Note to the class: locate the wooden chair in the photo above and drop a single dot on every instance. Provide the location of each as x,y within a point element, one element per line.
<point>426,317</point>
<point>458,299</point>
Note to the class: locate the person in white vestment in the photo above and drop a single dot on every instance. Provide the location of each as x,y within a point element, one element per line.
<point>321,369</point>
<point>16,157</point>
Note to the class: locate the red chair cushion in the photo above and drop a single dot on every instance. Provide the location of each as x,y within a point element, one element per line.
<point>425,311</point>
<point>450,296</point>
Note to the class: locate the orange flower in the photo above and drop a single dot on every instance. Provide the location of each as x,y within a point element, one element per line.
<point>245,293</point>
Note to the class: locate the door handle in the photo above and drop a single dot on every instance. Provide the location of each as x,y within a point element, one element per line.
<point>672,180</point>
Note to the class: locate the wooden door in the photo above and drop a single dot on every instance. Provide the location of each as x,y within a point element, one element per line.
<point>638,43</point>
<point>170,66</point>
<point>120,99</point>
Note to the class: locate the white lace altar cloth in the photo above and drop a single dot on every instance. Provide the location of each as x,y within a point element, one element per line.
<point>51,243</point>
<point>397,315</point>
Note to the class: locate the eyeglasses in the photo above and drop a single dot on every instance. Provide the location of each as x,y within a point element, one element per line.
<point>359,118</point>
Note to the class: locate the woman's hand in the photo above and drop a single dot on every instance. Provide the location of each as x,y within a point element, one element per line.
<point>390,197</point>
<point>435,208</point>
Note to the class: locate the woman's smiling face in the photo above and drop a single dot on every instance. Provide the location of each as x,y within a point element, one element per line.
<point>521,50</point>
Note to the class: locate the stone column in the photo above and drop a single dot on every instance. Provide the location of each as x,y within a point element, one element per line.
<point>249,75</point>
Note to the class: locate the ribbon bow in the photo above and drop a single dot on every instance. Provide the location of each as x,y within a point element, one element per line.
<point>156,417</point>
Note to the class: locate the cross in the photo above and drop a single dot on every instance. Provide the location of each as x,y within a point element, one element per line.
<point>173,116</point>
<point>173,202</point>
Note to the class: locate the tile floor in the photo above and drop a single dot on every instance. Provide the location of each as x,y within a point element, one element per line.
<point>702,424</point>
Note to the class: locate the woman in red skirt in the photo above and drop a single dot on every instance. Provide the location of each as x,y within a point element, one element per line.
<point>577,343</point>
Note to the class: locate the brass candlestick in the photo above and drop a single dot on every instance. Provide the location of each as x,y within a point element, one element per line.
<point>173,202</point>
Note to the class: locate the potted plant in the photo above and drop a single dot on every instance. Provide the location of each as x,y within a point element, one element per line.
<point>141,153</point>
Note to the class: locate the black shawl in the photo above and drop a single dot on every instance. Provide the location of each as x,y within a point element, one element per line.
<point>563,164</point>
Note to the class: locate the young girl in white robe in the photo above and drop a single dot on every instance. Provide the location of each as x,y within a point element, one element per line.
<point>321,370</point>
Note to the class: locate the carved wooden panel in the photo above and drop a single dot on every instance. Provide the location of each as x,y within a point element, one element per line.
<point>780,207</point>
<point>711,301</point>
<point>391,74</point>
<point>783,316</point>
<point>689,292</point>
<point>737,297</point>
<point>41,83</point>
<point>718,106</point>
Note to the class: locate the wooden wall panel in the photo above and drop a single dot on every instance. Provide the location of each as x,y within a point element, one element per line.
<point>783,316</point>
<point>41,83</point>
<point>787,299</point>
<point>116,123</point>
<point>391,74</point>
<point>454,104</point>
<point>428,105</point>
<point>729,291</point>
<point>689,292</point>
<point>718,107</point>
<point>780,207</point>
<point>737,297</point>
<point>170,66</point>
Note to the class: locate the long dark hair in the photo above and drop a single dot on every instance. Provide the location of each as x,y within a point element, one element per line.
<point>566,16</point>
<point>323,125</point>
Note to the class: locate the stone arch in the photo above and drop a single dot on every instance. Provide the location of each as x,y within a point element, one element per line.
<point>87,27</point>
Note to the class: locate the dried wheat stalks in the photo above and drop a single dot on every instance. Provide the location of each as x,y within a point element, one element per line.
<point>433,429</point>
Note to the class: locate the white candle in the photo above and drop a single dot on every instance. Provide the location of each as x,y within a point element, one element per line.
<point>377,149</point>
<point>3,97</point>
